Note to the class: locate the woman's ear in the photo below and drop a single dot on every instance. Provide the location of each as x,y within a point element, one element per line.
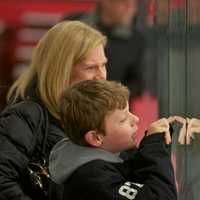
<point>93,138</point>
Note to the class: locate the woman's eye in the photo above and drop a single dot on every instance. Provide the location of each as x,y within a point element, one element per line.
<point>89,68</point>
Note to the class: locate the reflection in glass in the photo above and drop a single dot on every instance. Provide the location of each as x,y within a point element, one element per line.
<point>178,71</point>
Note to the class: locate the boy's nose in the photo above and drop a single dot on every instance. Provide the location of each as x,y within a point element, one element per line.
<point>136,118</point>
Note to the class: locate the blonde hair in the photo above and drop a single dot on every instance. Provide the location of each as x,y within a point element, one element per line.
<point>64,45</point>
<point>85,105</point>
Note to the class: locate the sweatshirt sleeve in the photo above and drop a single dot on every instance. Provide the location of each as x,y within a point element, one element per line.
<point>153,168</point>
<point>152,177</point>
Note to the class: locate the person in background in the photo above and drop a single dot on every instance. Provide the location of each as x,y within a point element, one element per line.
<point>96,118</point>
<point>126,43</point>
<point>68,53</point>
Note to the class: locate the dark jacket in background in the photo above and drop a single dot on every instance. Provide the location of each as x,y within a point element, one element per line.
<point>91,173</point>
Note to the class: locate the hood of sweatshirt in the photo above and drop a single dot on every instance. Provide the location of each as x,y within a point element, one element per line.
<point>66,157</point>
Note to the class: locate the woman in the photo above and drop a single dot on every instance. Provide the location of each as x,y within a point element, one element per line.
<point>69,52</point>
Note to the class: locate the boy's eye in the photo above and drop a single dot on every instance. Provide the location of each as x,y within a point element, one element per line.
<point>123,120</point>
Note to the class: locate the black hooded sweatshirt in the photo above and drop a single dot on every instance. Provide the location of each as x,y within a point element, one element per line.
<point>91,173</point>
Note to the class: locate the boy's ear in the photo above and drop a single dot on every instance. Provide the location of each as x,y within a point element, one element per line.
<point>93,138</point>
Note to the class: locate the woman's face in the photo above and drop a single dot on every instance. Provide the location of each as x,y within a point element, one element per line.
<point>93,67</point>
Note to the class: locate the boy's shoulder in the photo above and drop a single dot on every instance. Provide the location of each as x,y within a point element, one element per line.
<point>97,171</point>
<point>100,171</point>
<point>97,166</point>
<point>67,158</point>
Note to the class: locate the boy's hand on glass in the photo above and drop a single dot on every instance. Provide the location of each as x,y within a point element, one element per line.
<point>161,126</point>
<point>190,126</point>
<point>183,130</point>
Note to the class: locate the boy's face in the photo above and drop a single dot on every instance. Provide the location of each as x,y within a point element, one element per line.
<point>120,129</point>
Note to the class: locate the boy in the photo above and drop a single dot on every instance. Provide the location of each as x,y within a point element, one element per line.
<point>96,119</point>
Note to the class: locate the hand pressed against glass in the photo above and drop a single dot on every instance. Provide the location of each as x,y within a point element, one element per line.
<point>189,127</point>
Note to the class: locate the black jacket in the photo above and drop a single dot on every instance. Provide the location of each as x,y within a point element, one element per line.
<point>20,139</point>
<point>97,174</point>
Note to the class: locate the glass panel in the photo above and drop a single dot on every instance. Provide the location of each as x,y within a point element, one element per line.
<point>193,96</point>
<point>178,68</point>
<point>172,24</point>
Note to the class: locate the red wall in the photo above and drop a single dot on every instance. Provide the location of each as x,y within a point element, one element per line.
<point>11,10</point>
<point>11,13</point>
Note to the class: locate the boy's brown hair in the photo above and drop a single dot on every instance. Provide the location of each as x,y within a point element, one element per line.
<point>85,105</point>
